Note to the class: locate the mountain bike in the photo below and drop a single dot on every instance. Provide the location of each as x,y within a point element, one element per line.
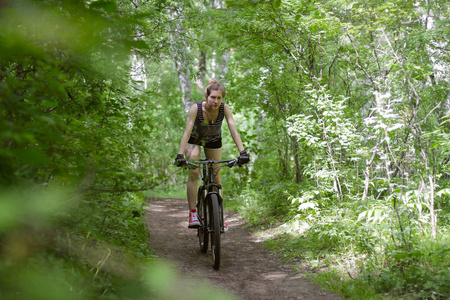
<point>210,205</point>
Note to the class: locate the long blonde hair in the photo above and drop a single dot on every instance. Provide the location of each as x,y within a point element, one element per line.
<point>214,85</point>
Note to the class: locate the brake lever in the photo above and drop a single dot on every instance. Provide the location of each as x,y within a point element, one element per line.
<point>232,163</point>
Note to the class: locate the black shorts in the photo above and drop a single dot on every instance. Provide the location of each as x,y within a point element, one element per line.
<point>212,145</point>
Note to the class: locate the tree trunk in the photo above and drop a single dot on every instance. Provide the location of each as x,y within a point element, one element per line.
<point>433,217</point>
<point>185,83</point>
<point>298,174</point>
<point>180,54</point>
<point>367,170</point>
<point>202,70</point>
<point>224,67</point>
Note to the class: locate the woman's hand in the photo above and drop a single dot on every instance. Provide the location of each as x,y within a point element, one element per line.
<point>180,161</point>
<point>243,158</point>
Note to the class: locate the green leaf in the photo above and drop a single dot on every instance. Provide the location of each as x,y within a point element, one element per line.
<point>31,156</point>
<point>276,4</point>
<point>108,6</point>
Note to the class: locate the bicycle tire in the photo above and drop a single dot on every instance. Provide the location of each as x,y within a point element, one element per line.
<point>215,232</point>
<point>202,231</point>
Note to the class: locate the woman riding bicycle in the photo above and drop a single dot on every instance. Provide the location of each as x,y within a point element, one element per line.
<point>204,129</point>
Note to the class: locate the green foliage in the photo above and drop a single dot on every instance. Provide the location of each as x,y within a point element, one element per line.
<point>64,91</point>
<point>343,284</point>
<point>440,139</point>
<point>343,106</point>
<point>330,135</point>
<point>53,246</point>
<point>352,148</point>
<point>79,141</point>
<point>353,256</point>
<point>422,273</point>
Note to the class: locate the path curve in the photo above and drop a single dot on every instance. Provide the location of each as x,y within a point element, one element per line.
<point>247,270</point>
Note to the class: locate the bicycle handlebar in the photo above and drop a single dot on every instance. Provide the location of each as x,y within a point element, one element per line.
<point>230,162</point>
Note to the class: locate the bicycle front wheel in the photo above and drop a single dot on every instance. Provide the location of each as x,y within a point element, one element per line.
<point>214,214</point>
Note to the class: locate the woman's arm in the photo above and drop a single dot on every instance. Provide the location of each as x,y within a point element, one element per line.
<point>187,131</point>
<point>232,127</point>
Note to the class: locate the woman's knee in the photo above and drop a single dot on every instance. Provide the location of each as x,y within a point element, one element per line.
<point>194,174</point>
<point>192,152</point>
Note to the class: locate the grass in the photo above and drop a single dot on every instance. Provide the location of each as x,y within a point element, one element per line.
<point>343,285</point>
<point>174,191</point>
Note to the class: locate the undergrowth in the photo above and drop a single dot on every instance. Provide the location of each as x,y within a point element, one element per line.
<point>82,247</point>
<point>356,250</point>
<point>168,191</point>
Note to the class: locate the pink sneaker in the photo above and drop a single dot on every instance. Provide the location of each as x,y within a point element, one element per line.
<point>193,219</point>
<point>225,227</point>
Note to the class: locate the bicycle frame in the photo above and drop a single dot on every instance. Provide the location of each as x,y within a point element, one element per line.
<point>207,176</point>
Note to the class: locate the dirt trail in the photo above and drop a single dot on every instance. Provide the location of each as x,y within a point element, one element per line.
<point>247,270</point>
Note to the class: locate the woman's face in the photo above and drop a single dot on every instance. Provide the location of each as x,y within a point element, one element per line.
<point>214,99</point>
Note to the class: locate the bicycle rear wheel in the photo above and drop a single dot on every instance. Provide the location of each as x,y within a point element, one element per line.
<point>202,211</point>
<point>214,214</point>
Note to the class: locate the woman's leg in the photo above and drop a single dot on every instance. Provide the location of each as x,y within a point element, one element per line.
<point>192,153</point>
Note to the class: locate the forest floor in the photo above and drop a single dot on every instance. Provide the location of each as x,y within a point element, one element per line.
<point>248,270</point>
